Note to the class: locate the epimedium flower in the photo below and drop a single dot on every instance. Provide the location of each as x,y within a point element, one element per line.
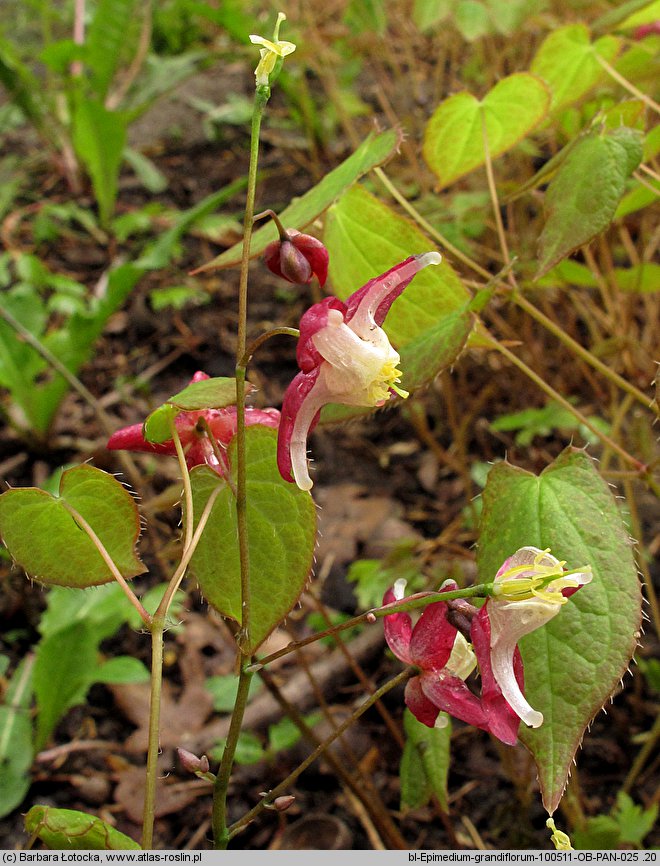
<point>271,52</point>
<point>529,590</point>
<point>297,257</point>
<point>445,659</point>
<point>345,357</point>
<point>193,429</point>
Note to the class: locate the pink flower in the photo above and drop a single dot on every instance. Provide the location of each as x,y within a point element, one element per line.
<point>530,589</point>
<point>445,659</point>
<point>345,357</point>
<point>196,443</point>
<point>297,257</point>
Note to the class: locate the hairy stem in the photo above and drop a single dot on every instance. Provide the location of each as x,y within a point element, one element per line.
<point>413,602</point>
<point>148,814</point>
<point>219,815</point>
<point>221,835</point>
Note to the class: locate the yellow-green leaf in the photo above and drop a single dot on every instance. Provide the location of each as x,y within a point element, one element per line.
<point>454,137</point>
<point>568,61</point>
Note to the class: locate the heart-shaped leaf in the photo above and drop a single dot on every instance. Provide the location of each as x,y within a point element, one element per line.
<point>567,62</point>
<point>454,138</point>
<point>206,394</point>
<point>44,538</point>
<point>430,322</point>
<point>582,198</point>
<point>372,152</point>
<point>574,662</point>
<point>281,536</point>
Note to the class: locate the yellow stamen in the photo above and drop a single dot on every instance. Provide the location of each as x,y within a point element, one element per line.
<point>546,583</point>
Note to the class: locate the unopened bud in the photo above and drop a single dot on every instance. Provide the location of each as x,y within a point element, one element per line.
<point>281,804</point>
<point>192,763</point>
<point>371,617</point>
<point>460,614</point>
<point>297,257</point>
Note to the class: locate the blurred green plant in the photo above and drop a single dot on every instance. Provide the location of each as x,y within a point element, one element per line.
<point>49,324</point>
<point>627,824</point>
<point>65,663</point>
<point>85,91</point>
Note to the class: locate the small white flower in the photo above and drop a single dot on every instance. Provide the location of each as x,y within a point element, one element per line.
<point>272,49</point>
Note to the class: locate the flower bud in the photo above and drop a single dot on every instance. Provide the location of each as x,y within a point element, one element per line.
<point>192,763</point>
<point>297,258</point>
<point>281,804</point>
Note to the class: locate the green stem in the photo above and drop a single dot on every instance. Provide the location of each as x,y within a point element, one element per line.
<point>187,515</point>
<point>157,628</point>
<point>583,353</point>
<point>255,344</point>
<point>219,818</point>
<point>280,228</point>
<point>413,602</point>
<point>291,778</point>
<point>178,575</point>
<point>627,85</point>
<point>260,99</point>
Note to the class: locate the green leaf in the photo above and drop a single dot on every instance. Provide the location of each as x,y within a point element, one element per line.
<point>206,394</point>
<point>281,522</point>
<point>472,19</point>
<point>122,669</point>
<point>224,689</point>
<point>644,278</point>
<point>145,170</point>
<point>582,198</point>
<point>453,139</point>
<point>164,249</point>
<point>99,138</point>
<point>415,787</point>
<point>43,537</point>
<point>104,607</point>
<point>634,821</point>
<point>639,197</point>
<point>427,14</point>
<point>647,15</point>
<point>600,832</point>
<point>16,738</point>
<point>63,672</point>
<point>248,749</point>
<point>105,39</point>
<point>572,664</point>
<point>68,830</point>
<point>430,322</point>
<point>372,152</point>
<point>67,658</point>
<point>567,61</point>
<point>433,748</point>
